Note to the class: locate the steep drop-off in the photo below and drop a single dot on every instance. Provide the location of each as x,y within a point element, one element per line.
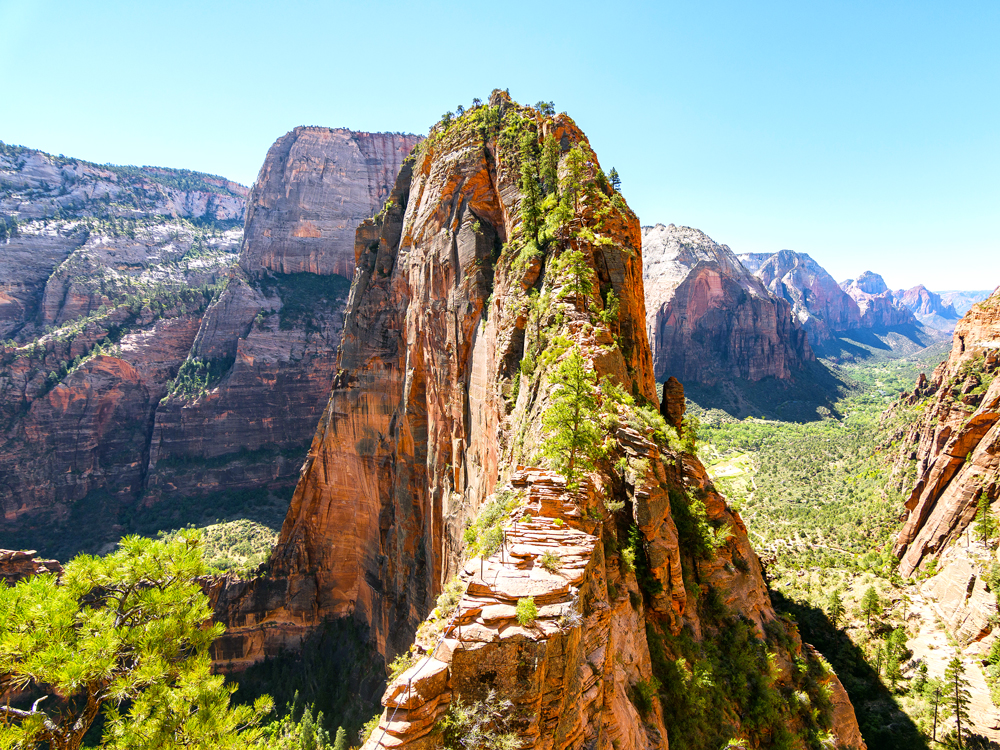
<point>502,256</point>
<point>274,331</point>
<point>709,319</point>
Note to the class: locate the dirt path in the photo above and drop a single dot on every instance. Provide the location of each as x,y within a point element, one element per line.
<point>931,646</point>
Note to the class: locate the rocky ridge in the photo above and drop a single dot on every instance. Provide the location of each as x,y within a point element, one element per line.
<point>952,449</point>
<point>463,305</point>
<point>928,307</point>
<point>708,318</point>
<point>878,305</point>
<point>817,301</point>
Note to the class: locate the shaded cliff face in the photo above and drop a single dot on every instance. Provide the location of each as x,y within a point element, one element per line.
<point>878,305</point>
<point>273,333</point>
<point>708,318</point>
<point>434,440</point>
<point>817,301</point>
<point>953,448</point>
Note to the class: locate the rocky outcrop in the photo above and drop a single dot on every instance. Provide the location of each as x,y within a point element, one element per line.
<point>708,319</point>
<point>962,301</point>
<point>817,301</point>
<point>952,448</point>
<point>878,305</point>
<point>16,565</point>
<point>424,474</point>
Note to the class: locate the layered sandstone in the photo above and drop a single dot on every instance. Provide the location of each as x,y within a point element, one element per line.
<point>275,329</point>
<point>928,307</point>
<point>709,319</point>
<point>455,324</point>
<point>817,301</point>
<point>954,447</point>
<point>878,305</point>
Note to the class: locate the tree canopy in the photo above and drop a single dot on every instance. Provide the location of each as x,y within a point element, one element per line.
<point>124,634</point>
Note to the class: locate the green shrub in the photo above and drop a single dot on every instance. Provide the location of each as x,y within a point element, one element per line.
<point>550,561</point>
<point>527,612</point>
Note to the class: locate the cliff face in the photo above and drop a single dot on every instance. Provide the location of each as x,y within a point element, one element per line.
<point>424,474</point>
<point>879,307</point>
<point>817,301</point>
<point>144,366</point>
<point>103,283</point>
<point>708,318</point>
<point>273,333</point>
<point>954,447</point>
<point>928,307</point>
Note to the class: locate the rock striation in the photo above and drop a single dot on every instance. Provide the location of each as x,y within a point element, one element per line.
<point>817,301</point>
<point>708,318</point>
<point>425,473</point>
<point>952,448</point>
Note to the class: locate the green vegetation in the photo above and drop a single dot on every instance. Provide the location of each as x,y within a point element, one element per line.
<point>573,441</point>
<point>197,376</point>
<point>120,638</point>
<point>487,724</point>
<point>527,612</point>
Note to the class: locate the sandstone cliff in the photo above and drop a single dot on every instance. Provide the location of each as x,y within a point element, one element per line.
<point>928,307</point>
<point>879,307</point>
<point>273,333</point>
<point>426,475</point>
<point>953,448</point>
<point>708,318</point>
<point>817,301</point>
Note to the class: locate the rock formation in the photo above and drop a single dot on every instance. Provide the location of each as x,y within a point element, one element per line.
<point>120,388</point>
<point>962,301</point>
<point>953,445</point>
<point>817,301</point>
<point>928,307</point>
<point>879,307</point>
<point>708,318</point>
<point>18,564</point>
<point>501,256</point>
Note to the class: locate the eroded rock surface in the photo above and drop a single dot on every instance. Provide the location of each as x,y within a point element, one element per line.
<point>877,303</point>
<point>708,318</point>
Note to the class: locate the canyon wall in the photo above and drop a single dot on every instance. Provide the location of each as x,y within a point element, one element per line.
<point>154,359</point>
<point>928,307</point>
<point>817,301</point>
<point>879,306</point>
<point>952,448</point>
<point>503,257</point>
<point>708,318</point>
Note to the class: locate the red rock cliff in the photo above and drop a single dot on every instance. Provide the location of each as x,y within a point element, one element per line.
<point>455,324</point>
<point>708,318</point>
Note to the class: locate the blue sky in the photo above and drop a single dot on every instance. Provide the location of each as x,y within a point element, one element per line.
<point>866,134</point>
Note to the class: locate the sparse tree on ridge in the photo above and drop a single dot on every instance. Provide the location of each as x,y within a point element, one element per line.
<point>573,439</point>
<point>956,690</point>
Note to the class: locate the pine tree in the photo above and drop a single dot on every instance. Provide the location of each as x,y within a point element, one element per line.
<point>573,441</point>
<point>870,605</point>
<point>531,196</point>
<point>575,274</point>
<point>614,179</point>
<point>576,171</point>
<point>550,164</point>
<point>124,634</point>
<point>340,742</point>
<point>835,607</point>
<point>986,523</point>
<point>956,689</point>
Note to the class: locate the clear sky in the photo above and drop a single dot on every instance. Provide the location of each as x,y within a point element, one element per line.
<point>864,133</point>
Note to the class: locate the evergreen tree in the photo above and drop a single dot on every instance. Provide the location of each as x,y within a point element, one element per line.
<point>550,164</point>
<point>124,634</point>
<point>986,523</point>
<point>577,277</point>
<point>340,742</point>
<point>956,689</point>
<point>573,441</point>
<point>835,607</point>
<point>614,179</point>
<point>576,171</point>
<point>531,196</point>
<point>870,605</point>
